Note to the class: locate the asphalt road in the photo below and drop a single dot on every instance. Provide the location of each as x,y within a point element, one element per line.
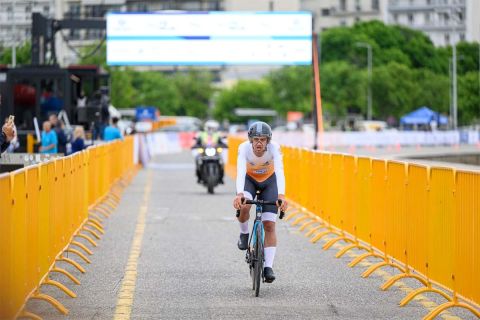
<point>188,265</point>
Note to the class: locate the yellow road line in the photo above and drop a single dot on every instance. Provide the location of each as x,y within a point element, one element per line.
<point>125,296</point>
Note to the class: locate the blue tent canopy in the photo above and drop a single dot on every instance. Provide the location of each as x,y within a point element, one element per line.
<point>423,115</point>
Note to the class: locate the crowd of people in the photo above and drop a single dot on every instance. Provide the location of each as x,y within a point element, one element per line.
<point>55,140</point>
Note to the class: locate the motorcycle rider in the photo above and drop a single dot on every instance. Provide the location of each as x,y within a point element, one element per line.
<point>209,137</point>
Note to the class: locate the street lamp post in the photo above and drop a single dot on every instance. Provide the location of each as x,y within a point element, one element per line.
<point>454,86</point>
<point>369,94</point>
<point>14,37</point>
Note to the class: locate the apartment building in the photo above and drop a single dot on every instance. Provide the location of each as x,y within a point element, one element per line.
<point>444,21</point>
<point>16,19</point>
<point>334,13</point>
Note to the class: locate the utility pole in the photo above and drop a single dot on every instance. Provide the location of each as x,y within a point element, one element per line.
<point>454,21</point>
<point>369,93</point>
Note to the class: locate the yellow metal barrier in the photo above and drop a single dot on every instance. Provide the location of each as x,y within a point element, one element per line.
<point>421,220</point>
<point>163,123</point>
<point>43,210</point>
<point>233,142</point>
<point>30,143</point>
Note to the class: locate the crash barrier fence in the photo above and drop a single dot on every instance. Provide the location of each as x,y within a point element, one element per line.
<point>53,212</point>
<point>152,126</point>
<point>162,123</point>
<point>394,139</point>
<point>422,220</point>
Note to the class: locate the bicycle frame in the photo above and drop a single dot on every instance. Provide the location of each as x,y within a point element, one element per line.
<point>258,221</point>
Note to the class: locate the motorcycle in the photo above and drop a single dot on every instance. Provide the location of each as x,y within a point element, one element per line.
<point>210,165</point>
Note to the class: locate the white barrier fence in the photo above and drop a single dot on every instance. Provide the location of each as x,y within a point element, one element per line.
<point>384,138</point>
<point>152,144</point>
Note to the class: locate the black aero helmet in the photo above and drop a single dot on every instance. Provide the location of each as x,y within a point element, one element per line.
<point>260,129</point>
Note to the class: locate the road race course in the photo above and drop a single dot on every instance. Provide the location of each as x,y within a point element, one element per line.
<point>170,252</point>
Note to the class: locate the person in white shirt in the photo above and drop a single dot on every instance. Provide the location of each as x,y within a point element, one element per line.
<point>260,168</point>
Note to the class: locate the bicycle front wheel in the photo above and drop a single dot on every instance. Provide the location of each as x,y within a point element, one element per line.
<point>258,271</point>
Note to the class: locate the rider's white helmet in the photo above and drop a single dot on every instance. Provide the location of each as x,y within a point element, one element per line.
<point>211,125</point>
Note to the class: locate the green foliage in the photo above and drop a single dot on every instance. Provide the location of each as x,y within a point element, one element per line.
<point>244,94</point>
<point>398,89</point>
<point>23,55</point>
<point>344,88</point>
<point>195,91</point>
<point>95,56</point>
<point>468,57</point>
<point>123,93</point>
<point>156,89</point>
<point>432,91</point>
<point>291,89</point>
<point>408,71</point>
<point>393,90</point>
<point>389,44</point>
<point>338,44</point>
<point>468,98</point>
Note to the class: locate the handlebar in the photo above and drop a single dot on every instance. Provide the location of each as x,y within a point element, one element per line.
<point>262,202</point>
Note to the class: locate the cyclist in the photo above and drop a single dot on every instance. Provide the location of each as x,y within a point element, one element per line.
<point>260,168</point>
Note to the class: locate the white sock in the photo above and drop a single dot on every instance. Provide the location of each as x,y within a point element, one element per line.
<point>244,227</point>
<point>269,256</point>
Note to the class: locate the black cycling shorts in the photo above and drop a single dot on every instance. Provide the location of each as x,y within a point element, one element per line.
<point>268,191</point>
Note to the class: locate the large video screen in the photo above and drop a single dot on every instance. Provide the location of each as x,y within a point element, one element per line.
<point>209,38</point>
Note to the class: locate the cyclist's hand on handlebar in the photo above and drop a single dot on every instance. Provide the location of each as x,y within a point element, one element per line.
<point>284,205</point>
<point>237,202</point>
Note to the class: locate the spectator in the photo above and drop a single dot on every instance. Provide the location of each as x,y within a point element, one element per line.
<point>57,126</point>
<point>78,143</point>
<point>14,144</point>
<point>49,139</point>
<point>112,132</point>
<point>82,100</point>
<point>7,134</point>
<point>104,104</point>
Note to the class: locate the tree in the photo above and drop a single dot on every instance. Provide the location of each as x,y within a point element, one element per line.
<point>468,98</point>
<point>338,44</point>
<point>156,89</point>
<point>389,44</point>
<point>344,89</point>
<point>468,58</point>
<point>432,90</point>
<point>23,54</point>
<point>291,89</point>
<point>393,90</point>
<point>123,94</point>
<point>195,91</point>
<point>244,94</point>
<point>95,54</point>
<point>420,49</point>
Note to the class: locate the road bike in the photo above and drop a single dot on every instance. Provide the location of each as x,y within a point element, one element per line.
<point>254,255</point>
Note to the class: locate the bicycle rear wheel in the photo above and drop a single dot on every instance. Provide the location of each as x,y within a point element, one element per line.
<point>258,271</point>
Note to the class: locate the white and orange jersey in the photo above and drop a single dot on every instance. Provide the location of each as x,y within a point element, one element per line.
<point>260,168</point>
